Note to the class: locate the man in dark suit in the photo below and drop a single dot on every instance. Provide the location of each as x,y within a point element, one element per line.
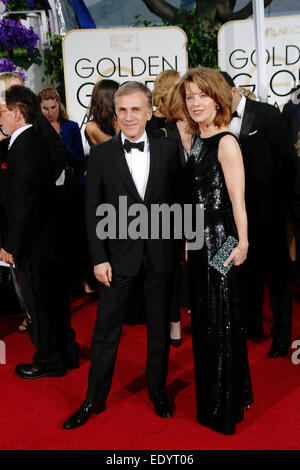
<point>269,159</point>
<point>26,179</point>
<point>144,170</point>
<point>56,148</point>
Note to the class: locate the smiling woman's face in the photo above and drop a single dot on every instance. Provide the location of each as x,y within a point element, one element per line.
<point>201,107</point>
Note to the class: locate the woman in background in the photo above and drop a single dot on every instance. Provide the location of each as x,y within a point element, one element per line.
<point>53,109</point>
<point>163,85</point>
<point>69,188</point>
<point>8,79</point>
<point>101,125</point>
<point>177,124</point>
<point>176,127</point>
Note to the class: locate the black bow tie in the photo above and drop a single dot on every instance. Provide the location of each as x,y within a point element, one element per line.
<point>128,145</point>
<point>235,114</point>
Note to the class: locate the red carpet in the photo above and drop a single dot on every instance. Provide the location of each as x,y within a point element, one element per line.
<point>32,411</point>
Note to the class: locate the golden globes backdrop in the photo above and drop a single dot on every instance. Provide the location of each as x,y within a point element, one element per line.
<point>120,54</point>
<point>237,55</point>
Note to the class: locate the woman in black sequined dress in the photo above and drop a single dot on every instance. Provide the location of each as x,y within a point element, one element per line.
<point>214,177</point>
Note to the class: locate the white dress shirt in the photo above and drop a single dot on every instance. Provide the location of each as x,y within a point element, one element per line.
<point>236,122</point>
<point>139,164</point>
<point>17,133</point>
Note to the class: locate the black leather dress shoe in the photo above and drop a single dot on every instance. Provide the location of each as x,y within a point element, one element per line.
<point>36,371</point>
<point>163,406</point>
<point>278,350</point>
<point>176,342</point>
<point>81,416</point>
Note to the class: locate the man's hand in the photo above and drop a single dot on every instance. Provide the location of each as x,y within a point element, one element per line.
<point>103,273</point>
<point>6,257</point>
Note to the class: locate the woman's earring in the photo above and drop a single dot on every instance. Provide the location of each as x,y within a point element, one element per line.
<point>218,107</point>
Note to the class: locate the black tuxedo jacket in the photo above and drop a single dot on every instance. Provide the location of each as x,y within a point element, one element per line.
<point>160,127</point>
<point>57,150</point>
<point>109,178</point>
<point>173,133</point>
<point>26,182</point>
<point>268,152</point>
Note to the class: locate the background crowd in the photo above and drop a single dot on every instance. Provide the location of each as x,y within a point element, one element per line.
<point>267,143</point>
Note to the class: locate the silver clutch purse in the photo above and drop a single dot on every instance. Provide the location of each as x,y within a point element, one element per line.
<point>224,252</point>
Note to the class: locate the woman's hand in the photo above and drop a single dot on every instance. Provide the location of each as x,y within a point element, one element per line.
<point>238,254</point>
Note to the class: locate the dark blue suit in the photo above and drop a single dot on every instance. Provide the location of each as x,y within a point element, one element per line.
<point>71,137</point>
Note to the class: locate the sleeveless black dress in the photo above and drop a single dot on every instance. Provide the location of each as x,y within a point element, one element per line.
<point>223,385</point>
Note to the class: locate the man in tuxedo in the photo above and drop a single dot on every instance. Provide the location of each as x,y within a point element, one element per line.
<point>26,179</point>
<point>269,161</point>
<point>145,170</point>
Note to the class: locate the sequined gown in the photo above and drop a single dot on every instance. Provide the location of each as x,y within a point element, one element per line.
<point>223,386</point>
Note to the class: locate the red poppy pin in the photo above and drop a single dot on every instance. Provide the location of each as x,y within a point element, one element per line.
<point>3,166</point>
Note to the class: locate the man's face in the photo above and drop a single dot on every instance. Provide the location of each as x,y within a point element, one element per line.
<point>132,114</point>
<point>236,98</point>
<point>7,119</point>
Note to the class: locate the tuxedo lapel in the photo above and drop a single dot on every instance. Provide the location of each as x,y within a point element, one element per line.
<point>154,165</point>
<point>120,161</point>
<point>248,118</point>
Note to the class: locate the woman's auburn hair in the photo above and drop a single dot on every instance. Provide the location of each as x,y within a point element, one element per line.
<point>163,83</point>
<point>174,109</point>
<point>212,83</point>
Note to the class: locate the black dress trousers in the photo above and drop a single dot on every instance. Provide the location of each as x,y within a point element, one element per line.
<point>112,311</point>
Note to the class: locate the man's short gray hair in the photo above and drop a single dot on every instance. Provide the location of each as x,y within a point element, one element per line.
<point>129,88</point>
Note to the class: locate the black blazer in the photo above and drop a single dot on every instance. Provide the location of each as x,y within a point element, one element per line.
<point>27,188</point>
<point>57,150</point>
<point>267,148</point>
<point>108,178</point>
<point>160,127</point>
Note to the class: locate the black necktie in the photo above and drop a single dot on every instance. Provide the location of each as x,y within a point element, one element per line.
<point>128,145</point>
<point>235,114</point>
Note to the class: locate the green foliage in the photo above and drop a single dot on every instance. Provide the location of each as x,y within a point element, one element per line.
<point>24,60</point>
<point>23,5</point>
<point>53,65</point>
<point>202,34</point>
